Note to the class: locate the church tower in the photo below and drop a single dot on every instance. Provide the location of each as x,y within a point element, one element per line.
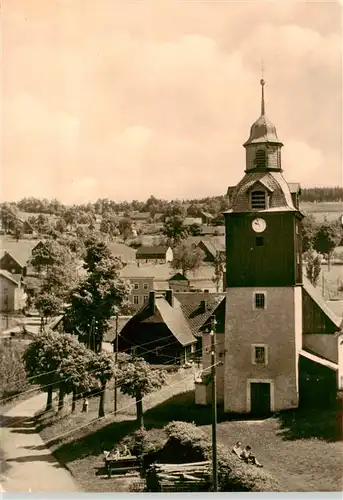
<point>263,279</point>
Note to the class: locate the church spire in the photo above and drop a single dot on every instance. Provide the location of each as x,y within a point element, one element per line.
<point>263,109</point>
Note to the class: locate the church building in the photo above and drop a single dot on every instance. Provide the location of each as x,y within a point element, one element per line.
<point>282,344</point>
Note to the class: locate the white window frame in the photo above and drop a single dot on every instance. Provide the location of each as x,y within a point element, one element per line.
<point>134,300</point>
<point>253,354</point>
<point>259,381</point>
<point>136,286</point>
<point>259,292</point>
<point>145,286</point>
<point>145,299</point>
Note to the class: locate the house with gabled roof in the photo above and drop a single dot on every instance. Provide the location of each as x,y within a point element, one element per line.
<point>168,328</point>
<point>16,255</point>
<point>154,254</point>
<point>12,296</point>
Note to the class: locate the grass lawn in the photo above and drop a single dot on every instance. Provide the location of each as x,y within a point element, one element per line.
<point>81,450</point>
<point>302,449</point>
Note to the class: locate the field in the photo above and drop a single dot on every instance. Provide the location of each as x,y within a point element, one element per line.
<point>301,449</point>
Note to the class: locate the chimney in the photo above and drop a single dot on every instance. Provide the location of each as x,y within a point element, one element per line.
<point>203,306</point>
<point>170,297</point>
<point>152,302</point>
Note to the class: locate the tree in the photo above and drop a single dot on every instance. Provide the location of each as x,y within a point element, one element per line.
<point>195,229</point>
<point>137,379</point>
<point>61,225</point>
<point>309,228</point>
<point>109,226</point>
<point>98,296</point>
<point>70,216</point>
<point>103,370</point>
<point>175,230</point>
<point>48,305</point>
<point>75,373</point>
<point>194,210</point>
<point>313,267</point>
<point>42,224</point>
<point>43,358</point>
<point>327,238</point>
<point>9,215</point>
<point>125,228</point>
<point>49,254</point>
<point>219,268</point>
<point>187,258</point>
<point>17,230</point>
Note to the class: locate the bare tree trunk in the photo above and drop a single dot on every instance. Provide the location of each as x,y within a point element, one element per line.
<point>139,406</point>
<point>102,400</point>
<point>49,399</point>
<point>60,399</point>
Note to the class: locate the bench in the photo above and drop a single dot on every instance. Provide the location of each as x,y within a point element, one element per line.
<point>122,465</point>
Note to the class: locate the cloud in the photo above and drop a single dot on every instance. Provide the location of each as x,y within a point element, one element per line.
<point>125,99</point>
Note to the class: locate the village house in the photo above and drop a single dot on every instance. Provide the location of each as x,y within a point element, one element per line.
<point>282,344</point>
<point>211,248</point>
<point>168,328</point>
<point>206,218</point>
<point>16,255</point>
<point>212,230</point>
<point>141,280</point>
<point>154,254</point>
<point>12,296</point>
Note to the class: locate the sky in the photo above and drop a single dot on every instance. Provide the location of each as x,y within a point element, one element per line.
<point>124,99</point>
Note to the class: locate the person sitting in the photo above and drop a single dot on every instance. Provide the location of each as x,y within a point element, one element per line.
<point>248,456</point>
<point>237,449</point>
<point>125,451</point>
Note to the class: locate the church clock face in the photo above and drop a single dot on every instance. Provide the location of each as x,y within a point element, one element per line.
<point>259,225</point>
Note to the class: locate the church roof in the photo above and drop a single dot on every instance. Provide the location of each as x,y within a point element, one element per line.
<point>263,130</point>
<point>281,199</point>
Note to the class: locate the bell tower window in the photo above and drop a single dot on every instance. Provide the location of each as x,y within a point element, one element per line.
<point>258,200</point>
<point>261,158</point>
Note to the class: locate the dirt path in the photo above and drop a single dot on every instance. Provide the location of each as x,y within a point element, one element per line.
<point>28,464</point>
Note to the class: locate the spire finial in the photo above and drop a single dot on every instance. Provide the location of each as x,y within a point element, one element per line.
<point>262,82</point>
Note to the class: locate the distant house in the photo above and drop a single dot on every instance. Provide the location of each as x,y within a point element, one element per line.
<point>168,328</point>
<point>178,283</point>
<point>140,216</point>
<point>206,218</point>
<point>12,297</point>
<point>141,280</point>
<point>212,230</point>
<point>189,221</point>
<point>16,255</point>
<point>211,248</point>
<point>154,254</point>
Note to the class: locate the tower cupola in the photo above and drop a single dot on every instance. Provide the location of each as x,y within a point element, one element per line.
<point>263,148</point>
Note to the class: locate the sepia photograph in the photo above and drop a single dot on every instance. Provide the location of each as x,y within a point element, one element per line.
<point>171,247</point>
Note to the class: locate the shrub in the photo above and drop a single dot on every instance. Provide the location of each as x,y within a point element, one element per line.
<point>188,443</point>
<point>139,443</point>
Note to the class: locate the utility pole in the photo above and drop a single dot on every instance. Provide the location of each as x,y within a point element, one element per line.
<point>214,410</point>
<point>116,359</point>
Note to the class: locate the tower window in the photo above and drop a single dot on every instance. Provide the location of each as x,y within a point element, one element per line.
<point>259,241</point>
<point>259,300</point>
<point>258,200</point>
<point>259,354</point>
<point>260,159</point>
